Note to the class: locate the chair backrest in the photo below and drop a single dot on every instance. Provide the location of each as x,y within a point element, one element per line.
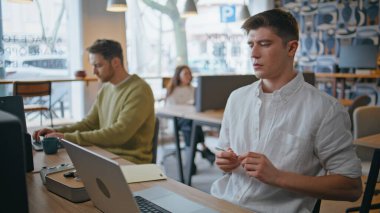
<point>32,89</point>
<point>155,141</point>
<point>366,121</point>
<point>360,101</point>
<point>366,89</point>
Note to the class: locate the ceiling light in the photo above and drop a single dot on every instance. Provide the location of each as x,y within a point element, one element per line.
<point>21,1</point>
<point>116,5</point>
<point>244,13</point>
<point>190,9</point>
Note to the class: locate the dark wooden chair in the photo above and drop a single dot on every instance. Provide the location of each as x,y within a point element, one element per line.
<point>32,89</point>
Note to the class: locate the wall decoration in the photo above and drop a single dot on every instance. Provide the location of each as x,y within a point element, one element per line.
<point>325,25</point>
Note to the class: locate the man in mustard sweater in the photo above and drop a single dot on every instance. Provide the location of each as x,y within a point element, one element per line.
<point>122,118</point>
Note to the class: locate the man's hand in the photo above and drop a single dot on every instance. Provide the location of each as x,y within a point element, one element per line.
<point>54,135</point>
<point>227,160</point>
<point>259,166</point>
<point>42,132</point>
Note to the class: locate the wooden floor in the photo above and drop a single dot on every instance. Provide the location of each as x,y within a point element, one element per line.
<point>341,206</point>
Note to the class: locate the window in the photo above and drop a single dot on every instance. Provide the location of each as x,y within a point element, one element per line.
<point>34,39</point>
<point>35,46</point>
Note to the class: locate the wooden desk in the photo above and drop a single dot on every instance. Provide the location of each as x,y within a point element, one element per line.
<point>342,77</point>
<point>41,200</point>
<point>211,118</point>
<point>57,80</point>
<point>373,142</point>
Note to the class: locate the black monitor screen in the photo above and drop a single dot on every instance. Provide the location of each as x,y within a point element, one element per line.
<point>15,106</point>
<point>213,91</point>
<point>358,56</point>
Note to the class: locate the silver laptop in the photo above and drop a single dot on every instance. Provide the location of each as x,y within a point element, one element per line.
<point>109,191</point>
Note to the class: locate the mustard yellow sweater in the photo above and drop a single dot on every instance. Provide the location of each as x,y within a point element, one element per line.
<point>121,121</point>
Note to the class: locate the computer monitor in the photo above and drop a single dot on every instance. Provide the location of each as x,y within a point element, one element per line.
<point>213,91</point>
<point>13,183</point>
<point>309,77</point>
<point>15,106</point>
<point>358,56</point>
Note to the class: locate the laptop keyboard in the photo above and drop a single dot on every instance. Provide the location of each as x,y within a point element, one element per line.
<point>147,206</point>
<point>37,145</point>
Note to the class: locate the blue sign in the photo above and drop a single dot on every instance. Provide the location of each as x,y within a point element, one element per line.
<point>227,13</point>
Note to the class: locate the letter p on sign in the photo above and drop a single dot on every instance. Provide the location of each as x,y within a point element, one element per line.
<point>227,13</point>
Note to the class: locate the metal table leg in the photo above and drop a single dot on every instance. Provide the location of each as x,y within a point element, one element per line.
<point>191,155</point>
<point>371,182</point>
<point>178,150</point>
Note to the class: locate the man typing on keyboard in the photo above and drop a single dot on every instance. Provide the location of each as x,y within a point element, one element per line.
<point>122,118</point>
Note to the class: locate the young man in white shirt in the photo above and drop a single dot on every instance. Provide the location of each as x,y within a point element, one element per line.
<point>287,144</point>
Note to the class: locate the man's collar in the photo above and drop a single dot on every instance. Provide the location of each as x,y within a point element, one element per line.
<point>123,81</point>
<point>286,91</point>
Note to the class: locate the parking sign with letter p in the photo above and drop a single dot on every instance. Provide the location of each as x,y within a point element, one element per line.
<point>227,13</point>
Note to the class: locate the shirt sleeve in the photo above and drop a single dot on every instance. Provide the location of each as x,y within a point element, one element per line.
<point>334,144</point>
<point>224,135</point>
<point>90,122</point>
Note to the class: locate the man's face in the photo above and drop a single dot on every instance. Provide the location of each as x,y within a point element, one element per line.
<point>270,57</point>
<point>102,68</point>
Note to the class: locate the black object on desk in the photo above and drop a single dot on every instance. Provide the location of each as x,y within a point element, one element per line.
<point>15,106</point>
<point>12,157</point>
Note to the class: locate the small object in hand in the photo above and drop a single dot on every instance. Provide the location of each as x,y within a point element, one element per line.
<point>80,74</point>
<point>220,149</point>
<point>229,150</point>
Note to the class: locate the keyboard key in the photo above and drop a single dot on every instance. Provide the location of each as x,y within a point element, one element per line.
<point>147,206</point>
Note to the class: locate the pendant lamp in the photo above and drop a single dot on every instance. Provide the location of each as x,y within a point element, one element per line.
<point>244,13</point>
<point>190,9</point>
<point>116,5</point>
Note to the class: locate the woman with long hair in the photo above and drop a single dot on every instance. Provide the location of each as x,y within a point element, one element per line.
<point>181,92</point>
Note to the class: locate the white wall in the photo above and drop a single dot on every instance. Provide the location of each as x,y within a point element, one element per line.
<point>257,6</point>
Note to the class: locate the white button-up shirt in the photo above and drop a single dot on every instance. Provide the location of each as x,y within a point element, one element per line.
<point>306,131</point>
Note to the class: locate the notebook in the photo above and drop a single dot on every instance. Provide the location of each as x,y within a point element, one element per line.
<point>108,189</point>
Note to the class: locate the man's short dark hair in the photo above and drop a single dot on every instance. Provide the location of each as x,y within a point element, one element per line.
<point>282,23</point>
<point>109,49</point>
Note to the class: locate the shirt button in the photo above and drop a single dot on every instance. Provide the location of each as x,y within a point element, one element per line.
<point>237,197</point>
